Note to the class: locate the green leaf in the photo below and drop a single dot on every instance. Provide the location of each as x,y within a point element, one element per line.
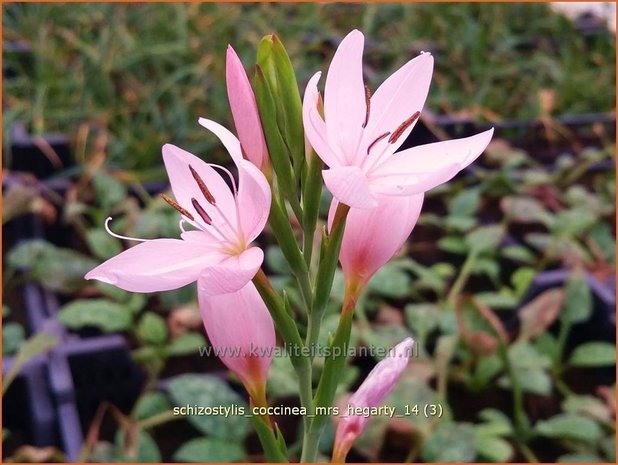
<point>13,336</point>
<point>210,450</point>
<point>110,192</point>
<point>519,253</point>
<point>186,344</point>
<point>152,329</point>
<point>465,203</point>
<point>56,268</point>
<point>485,238</point>
<point>104,314</point>
<point>147,452</point>
<point>593,354</point>
<point>525,210</point>
<point>521,280</point>
<point>422,319</point>
<point>570,426</point>
<point>282,379</point>
<point>390,281</point>
<point>384,338</point>
<point>577,300</point>
<point>450,442</point>
<point>33,346</point>
<point>493,448</point>
<point>453,244</point>
<point>151,404</point>
<point>275,260</point>
<point>101,244</point>
<point>587,405</point>
<point>208,391</point>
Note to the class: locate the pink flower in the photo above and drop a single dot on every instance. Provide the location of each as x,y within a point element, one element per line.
<point>226,221</point>
<point>241,331</point>
<point>244,112</point>
<point>372,237</point>
<point>378,384</point>
<point>360,133</point>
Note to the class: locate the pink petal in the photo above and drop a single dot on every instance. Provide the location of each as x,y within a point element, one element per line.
<point>349,185</point>
<point>157,265</point>
<point>373,237</point>
<point>422,168</point>
<point>241,329</point>
<point>344,95</point>
<point>185,188</point>
<point>231,274</point>
<point>397,99</point>
<point>244,110</point>
<point>254,198</point>
<point>384,376</point>
<point>229,140</point>
<point>378,384</point>
<point>315,128</point>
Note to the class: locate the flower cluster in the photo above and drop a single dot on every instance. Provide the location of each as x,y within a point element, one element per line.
<point>356,136</point>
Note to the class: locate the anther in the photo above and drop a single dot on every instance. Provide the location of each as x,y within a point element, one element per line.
<point>376,141</point>
<point>200,210</point>
<point>178,208</point>
<point>367,105</point>
<point>202,185</point>
<point>405,125</point>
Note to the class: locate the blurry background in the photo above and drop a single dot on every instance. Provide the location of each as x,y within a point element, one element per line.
<point>507,284</point>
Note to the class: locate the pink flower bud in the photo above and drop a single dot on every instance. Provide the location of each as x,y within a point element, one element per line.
<point>241,333</point>
<point>378,384</point>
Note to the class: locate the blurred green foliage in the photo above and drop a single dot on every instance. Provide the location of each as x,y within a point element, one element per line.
<point>141,74</point>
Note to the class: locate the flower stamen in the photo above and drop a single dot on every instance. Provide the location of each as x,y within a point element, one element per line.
<point>200,210</point>
<point>367,105</point>
<point>177,207</point>
<point>378,139</point>
<point>402,127</point>
<point>202,185</point>
<point>118,236</point>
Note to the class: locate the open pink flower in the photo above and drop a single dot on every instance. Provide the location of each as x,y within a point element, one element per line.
<point>378,384</point>
<point>242,332</point>
<point>219,250</point>
<point>372,237</point>
<point>244,112</point>
<point>360,133</point>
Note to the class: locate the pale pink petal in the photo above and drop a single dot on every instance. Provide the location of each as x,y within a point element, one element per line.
<point>378,384</point>
<point>315,128</point>
<point>397,99</point>
<point>344,95</point>
<point>157,265</point>
<point>349,185</point>
<point>231,274</point>
<point>244,110</point>
<point>422,168</point>
<point>254,198</point>
<point>384,376</point>
<point>373,237</point>
<point>185,188</point>
<point>241,329</point>
<point>229,140</point>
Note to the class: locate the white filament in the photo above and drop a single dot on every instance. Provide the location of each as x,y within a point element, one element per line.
<point>118,236</point>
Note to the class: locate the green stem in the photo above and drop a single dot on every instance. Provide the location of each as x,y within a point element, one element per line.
<point>284,234</point>
<point>331,374</point>
<point>331,245</point>
<point>269,442</point>
<point>286,326</point>
<point>461,280</point>
<point>312,191</point>
<point>521,420</point>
